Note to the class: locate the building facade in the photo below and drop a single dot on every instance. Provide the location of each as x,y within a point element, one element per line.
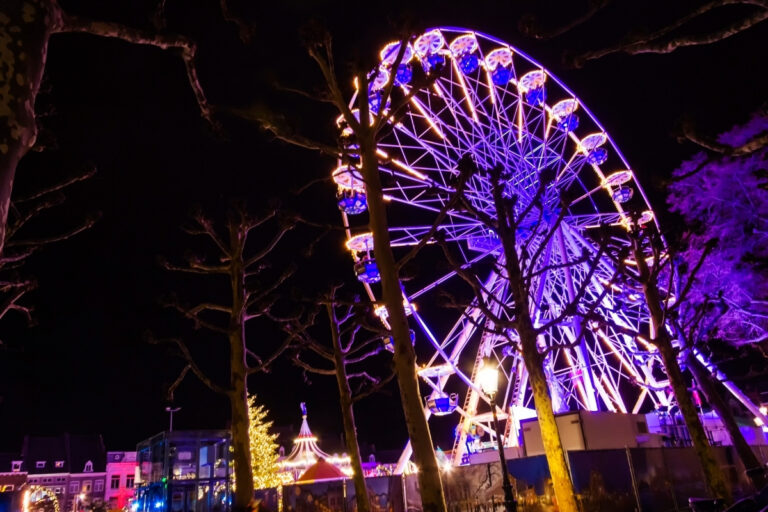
<point>73,467</point>
<point>120,482</point>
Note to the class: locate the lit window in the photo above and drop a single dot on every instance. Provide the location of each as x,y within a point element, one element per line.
<point>8,488</point>
<point>40,464</point>
<point>16,465</point>
<point>88,467</point>
<point>57,490</point>
<point>87,486</point>
<point>59,464</point>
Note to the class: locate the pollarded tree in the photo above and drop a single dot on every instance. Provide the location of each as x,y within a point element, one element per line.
<point>264,447</point>
<point>525,230</point>
<point>252,289</point>
<point>665,288</point>
<point>348,355</point>
<point>361,146</point>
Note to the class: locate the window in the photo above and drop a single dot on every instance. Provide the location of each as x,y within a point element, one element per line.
<point>98,486</point>
<point>114,482</point>
<point>129,481</point>
<point>47,480</point>
<point>57,490</point>
<point>40,464</point>
<point>87,486</point>
<point>88,467</point>
<point>16,466</point>
<point>8,488</point>
<point>74,487</point>
<point>59,464</point>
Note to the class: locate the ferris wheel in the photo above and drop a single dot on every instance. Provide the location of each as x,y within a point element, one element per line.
<point>490,102</point>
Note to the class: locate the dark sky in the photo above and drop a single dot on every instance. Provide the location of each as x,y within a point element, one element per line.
<point>129,111</point>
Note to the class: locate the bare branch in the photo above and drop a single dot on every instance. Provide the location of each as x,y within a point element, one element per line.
<point>657,42</point>
<point>185,353</point>
<point>186,47</point>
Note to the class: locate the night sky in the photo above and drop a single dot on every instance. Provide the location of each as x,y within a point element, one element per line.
<point>128,110</point>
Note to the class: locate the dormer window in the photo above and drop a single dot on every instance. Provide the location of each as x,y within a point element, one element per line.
<point>59,464</point>
<point>16,466</point>
<point>88,467</point>
<point>40,464</point>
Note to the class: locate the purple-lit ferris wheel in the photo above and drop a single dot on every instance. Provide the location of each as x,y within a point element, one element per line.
<point>493,103</point>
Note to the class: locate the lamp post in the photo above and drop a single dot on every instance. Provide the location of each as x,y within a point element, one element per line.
<point>170,410</point>
<point>489,382</point>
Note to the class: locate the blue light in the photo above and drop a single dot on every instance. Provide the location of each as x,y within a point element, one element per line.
<point>404,74</point>
<point>597,156</point>
<point>623,194</point>
<point>501,75</point>
<point>568,123</point>
<point>158,504</point>
<point>352,202</point>
<point>468,63</point>
<point>367,271</point>
<point>434,62</point>
<point>536,96</point>
<point>374,101</point>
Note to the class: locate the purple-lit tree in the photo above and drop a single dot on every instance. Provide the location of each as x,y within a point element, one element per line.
<point>252,289</point>
<point>724,198</point>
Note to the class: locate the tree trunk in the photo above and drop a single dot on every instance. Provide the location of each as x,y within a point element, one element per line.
<point>348,416</point>
<point>241,442</point>
<point>432,497</point>
<point>533,359</point>
<point>715,399</point>
<point>713,474</point>
<point>550,435</point>
<point>25,28</point>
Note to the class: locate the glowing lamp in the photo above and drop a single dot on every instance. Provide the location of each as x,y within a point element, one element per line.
<point>488,377</point>
<point>763,410</point>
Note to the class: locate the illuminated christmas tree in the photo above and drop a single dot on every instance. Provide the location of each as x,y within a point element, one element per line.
<point>263,447</point>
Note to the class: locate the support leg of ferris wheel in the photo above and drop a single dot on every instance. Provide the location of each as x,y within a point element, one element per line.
<point>730,386</point>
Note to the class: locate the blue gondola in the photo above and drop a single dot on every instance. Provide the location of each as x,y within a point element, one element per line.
<point>443,404</point>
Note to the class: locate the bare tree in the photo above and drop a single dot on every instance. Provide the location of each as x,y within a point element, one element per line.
<point>652,268</point>
<point>26,28</point>
<point>354,342</point>
<point>26,210</point>
<point>522,265</point>
<point>665,39</point>
<point>361,145</point>
<point>253,294</point>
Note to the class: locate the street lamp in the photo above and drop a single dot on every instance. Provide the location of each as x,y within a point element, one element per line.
<point>489,382</point>
<point>170,410</point>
